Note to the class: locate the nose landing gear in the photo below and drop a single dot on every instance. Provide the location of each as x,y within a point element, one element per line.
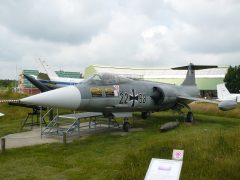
<point>126,126</point>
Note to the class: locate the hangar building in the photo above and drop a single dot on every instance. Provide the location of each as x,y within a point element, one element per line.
<point>206,79</point>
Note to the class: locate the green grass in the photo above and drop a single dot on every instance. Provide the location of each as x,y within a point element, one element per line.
<point>212,109</point>
<point>14,115</point>
<point>211,145</point>
<point>11,122</point>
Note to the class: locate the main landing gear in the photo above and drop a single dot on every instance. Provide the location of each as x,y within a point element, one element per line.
<point>188,117</point>
<point>145,115</point>
<point>126,125</point>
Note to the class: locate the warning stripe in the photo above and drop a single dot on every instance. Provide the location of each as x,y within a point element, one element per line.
<point>8,101</point>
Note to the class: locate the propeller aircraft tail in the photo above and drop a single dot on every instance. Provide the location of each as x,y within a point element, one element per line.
<point>222,91</point>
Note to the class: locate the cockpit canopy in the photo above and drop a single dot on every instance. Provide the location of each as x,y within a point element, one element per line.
<point>106,79</point>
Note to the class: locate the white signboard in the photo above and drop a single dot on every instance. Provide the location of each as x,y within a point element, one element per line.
<point>161,169</point>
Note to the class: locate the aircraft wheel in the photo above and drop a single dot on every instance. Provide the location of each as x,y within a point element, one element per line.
<point>126,126</point>
<point>190,117</point>
<point>145,115</point>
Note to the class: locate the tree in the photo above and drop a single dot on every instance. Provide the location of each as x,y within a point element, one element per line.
<point>232,79</point>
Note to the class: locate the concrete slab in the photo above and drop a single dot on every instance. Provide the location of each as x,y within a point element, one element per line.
<point>33,137</point>
<point>29,138</point>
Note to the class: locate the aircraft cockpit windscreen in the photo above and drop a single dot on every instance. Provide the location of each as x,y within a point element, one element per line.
<point>107,79</point>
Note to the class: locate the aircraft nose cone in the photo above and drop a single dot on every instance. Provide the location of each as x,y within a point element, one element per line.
<point>66,97</point>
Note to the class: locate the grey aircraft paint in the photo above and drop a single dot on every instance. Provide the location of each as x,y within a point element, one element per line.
<point>109,93</point>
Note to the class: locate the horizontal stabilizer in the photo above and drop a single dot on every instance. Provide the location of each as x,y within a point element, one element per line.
<point>194,67</point>
<point>190,76</point>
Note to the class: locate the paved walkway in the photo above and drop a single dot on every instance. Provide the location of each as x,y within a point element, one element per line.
<point>29,138</point>
<point>33,137</point>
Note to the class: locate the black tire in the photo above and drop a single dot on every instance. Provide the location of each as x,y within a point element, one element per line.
<point>145,115</point>
<point>126,126</point>
<point>190,117</point>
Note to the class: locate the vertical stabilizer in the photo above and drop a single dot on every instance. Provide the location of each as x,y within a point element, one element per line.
<point>190,76</point>
<point>47,69</point>
<point>222,91</point>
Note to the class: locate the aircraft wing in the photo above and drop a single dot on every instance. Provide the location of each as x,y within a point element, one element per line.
<point>224,105</point>
<point>1,114</point>
<point>187,99</point>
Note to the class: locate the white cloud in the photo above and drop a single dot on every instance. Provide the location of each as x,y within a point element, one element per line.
<point>69,21</point>
<point>208,26</point>
<point>72,34</point>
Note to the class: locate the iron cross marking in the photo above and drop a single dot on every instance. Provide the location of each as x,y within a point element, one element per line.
<point>133,97</point>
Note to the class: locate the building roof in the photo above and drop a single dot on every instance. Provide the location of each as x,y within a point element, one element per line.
<point>66,74</point>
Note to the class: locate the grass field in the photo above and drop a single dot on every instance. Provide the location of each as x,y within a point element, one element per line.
<point>211,144</point>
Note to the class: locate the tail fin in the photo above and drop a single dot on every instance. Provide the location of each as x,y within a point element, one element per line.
<point>47,69</point>
<point>43,76</point>
<point>190,76</point>
<point>222,91</point>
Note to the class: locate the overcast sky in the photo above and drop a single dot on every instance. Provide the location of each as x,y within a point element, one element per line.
<point>73,34</point>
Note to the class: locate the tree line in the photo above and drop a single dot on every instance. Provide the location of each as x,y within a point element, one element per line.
<point>7,83</point>
<point>232,79</point>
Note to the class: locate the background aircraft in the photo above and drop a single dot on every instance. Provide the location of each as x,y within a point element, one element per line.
<point>37,83</point>
<point>109,93</point>
<point>227,100</point>
<point>51,79</point>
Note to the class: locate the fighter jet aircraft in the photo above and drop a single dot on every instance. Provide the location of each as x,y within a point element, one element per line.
<point>109,93</point>
<point>228,101</point>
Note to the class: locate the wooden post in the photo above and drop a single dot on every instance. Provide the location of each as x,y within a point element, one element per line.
<point>41,121</point>
<point>64,138</point>
<point>3,141</point>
